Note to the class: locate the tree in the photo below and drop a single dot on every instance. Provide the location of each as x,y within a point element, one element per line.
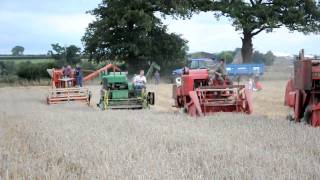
<point>129,31</point>
<point>257,57</point>
<point>227,55</point>
<point>252,17</point>
<point>65,55</point>
<point>73,54</point>
<point>269,58</point>
<point>17,51</point>
<point>266,59</point>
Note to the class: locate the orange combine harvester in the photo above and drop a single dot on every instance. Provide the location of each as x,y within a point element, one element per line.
<point>66,89</point>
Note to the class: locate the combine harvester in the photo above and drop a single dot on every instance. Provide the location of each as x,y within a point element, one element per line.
<point>303,91</point>
<point>66,90</point>
<point>199,96</point>
<point>118,93</point>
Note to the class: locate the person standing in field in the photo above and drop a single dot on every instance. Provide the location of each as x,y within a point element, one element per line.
<point>63,71</point>
<point>79,75</point>
<point>67,72</point>
<point>157,77</point>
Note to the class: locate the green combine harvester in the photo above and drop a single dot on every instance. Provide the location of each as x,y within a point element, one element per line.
<point>118,93</point>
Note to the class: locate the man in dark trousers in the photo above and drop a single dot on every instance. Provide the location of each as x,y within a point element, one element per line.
<point>79,75</point>
<point>157,77</point>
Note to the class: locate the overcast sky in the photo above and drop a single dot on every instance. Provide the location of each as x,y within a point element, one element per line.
<point>35,24</point>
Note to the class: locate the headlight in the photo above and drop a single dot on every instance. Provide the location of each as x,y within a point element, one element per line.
<point>178,81</point>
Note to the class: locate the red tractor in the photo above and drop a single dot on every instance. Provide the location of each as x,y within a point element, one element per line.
<point>200,95</point>
<point>303,91</point>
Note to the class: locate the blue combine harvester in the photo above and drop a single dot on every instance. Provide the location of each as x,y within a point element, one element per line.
<point>234,70</point>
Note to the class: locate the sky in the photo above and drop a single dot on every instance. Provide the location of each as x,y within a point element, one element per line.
<point>36,24</point>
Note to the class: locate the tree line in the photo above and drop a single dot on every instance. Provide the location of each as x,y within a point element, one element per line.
<point>130,31</point>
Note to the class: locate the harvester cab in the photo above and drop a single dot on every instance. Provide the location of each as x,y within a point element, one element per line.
<point>199,95</point>
<point>118,93</point>
<point>303,91</point>
<point>65,89</point>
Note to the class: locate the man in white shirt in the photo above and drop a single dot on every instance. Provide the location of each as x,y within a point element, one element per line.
<point>140,80</point>
<point>139,83</point>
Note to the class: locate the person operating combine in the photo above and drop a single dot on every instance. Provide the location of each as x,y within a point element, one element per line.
<point>219,72</point>
<point>139,82</point>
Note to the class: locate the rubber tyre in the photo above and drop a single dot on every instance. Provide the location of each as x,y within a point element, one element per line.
<point>151,98</point>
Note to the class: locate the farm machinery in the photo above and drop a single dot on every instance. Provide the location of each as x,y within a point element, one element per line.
<point>118,93</point>
<point>199,95</point>
<point>303,91</point>
<point>64,89</point>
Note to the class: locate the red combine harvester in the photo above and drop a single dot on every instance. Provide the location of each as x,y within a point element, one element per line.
<point>66,90</point>
<point>303,91</point>
<point>199,95</point>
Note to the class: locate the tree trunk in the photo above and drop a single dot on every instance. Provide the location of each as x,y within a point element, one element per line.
<point>247,47</point>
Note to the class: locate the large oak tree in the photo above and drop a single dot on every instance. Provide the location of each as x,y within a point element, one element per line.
<point>130,31</point>
<point>252,17</point>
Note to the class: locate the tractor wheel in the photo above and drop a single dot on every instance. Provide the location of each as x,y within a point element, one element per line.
<point>151,99</point>
<point>48,101</point>
<point>248,101</point>
<point>101,105</point>
<point>89,97</point>
<point>290,117</point>
<point>307,115</point>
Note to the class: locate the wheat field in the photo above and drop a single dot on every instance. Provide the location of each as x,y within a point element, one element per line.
<point>74,141</point>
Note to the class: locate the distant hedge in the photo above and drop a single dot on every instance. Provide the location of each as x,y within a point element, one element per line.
<point>7,57</point>
<point>34,71</point>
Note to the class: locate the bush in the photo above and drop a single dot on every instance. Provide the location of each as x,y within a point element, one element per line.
<point>266,59</point>
<point>7,68</point>
<point>8,79</point>
<point>87,65</point>
<point>227,55</point>
<point>29,71</point>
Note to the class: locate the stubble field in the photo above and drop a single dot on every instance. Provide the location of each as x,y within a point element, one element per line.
<point>74,141</point>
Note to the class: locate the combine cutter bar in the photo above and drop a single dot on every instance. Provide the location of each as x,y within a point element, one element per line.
<point>126,107</point>
<point>222,87</point>
<point>224,99</point>
<point>56,96</point>
<point>133,103</point>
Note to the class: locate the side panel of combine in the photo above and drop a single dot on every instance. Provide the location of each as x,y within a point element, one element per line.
<point>302,75</point>
<point>303,91</point>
